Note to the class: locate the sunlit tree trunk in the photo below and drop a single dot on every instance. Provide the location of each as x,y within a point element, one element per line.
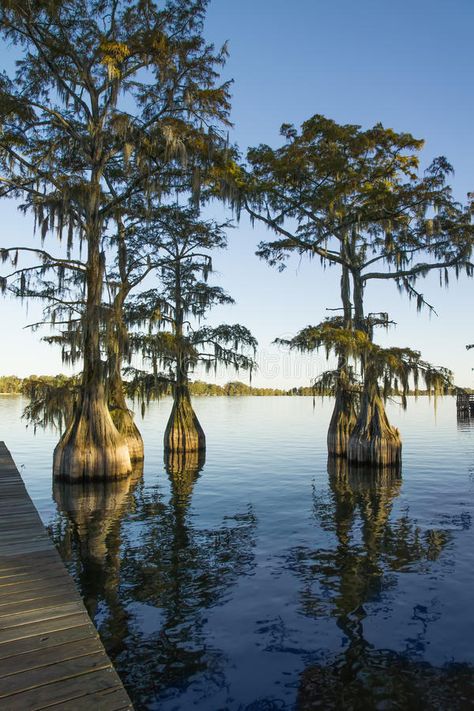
<point>373,440</point>
<point>116,343</point>
<point>121,415</point>
<point>92,447</point>
<point>343,418</point>
<point>183,432</point>
<point>344,414</point>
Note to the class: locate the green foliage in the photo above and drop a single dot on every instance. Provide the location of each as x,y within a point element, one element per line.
<point>10,384</point>
<point>394,369</point>
<point>354,198</point>
<point>175,341</point>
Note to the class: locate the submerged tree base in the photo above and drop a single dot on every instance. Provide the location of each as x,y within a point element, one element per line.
<point>183,469</point>
<point>183,432</point>
<point>342,424</point>
<point>91,448</point>
<point>363,479</point>
<point>181,464</point>
<point>374,442</point>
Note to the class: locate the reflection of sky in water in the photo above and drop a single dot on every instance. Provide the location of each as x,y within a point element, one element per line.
<point>148,618</point>
<point>216,589</point>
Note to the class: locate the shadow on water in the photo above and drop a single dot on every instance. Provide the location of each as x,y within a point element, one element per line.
<point>149,577</point>
<point>371,550</point>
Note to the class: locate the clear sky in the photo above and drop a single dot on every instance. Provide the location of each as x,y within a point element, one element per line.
<point>405,63</point>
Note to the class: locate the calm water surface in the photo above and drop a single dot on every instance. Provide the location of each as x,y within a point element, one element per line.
<point>264,579</point>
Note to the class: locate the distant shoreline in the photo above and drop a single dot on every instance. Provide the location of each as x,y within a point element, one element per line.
<point>13,385</point>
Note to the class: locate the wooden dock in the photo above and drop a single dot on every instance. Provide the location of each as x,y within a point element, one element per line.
<point>51,656</point>
<point>464,404</point>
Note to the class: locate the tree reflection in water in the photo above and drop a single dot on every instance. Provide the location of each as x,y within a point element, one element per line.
<point>89,541</point>
<point>371,549</point>
<point>149,583</point>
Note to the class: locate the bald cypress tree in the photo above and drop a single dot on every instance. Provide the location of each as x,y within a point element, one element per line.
<point>355,199</point>
<point>176,340</point>
<point>105,94</point>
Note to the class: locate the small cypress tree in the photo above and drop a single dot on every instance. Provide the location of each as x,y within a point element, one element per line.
<point>176,341</point>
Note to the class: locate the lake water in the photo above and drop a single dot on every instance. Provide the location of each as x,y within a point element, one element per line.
<point>262,579</point>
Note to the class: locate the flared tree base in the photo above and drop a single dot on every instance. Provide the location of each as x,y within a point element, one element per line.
<point>374,442</point>
<point>183,432</point>
<point>342,423</point>
<point>92,448</point>
<point>123,421</point>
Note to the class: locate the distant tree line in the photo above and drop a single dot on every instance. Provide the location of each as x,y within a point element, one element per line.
<point>26,386</point>
<point>12,384</point>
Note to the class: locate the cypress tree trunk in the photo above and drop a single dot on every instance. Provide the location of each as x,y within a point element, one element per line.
<point>183,432</point>
<point>122,417</point>
<point>344,414</point>
<point>92,447</point>
<point>117,343</point>
<point>374,441</point>
<point>343,419</point>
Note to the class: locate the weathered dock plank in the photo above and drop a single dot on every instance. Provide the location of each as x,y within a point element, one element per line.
<point>51,656</point>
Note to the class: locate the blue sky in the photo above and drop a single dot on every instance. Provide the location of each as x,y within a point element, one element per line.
<point>406,64</point>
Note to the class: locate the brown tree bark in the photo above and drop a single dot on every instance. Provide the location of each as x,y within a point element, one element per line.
<point>373,440</point>
<point>342,422</point>
<point>122,418</point>
<point>92,447</point>
<point>183,432</point>
<point>117,342</point>
<point>344,415</point>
